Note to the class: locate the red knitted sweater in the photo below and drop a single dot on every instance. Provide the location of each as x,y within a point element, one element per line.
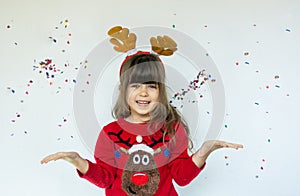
<point>172,161</point>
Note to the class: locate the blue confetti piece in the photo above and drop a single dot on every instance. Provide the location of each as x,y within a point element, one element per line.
<point>166,152</point>
<point>288,30</point>
<point>117,154</point>
<point>277,86</point>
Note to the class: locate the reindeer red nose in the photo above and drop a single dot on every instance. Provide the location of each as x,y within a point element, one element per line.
<point>139,178</point>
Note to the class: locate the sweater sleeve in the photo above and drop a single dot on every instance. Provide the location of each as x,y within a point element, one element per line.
<point>182,167</point>
<point>103,172</point>
<point>184,170</point>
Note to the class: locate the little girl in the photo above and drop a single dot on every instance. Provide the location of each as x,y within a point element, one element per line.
<point>145,149</point>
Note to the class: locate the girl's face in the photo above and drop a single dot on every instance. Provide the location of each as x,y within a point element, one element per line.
<point>141,98</point>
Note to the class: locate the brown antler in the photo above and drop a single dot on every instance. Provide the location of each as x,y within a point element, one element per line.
<point>122,39</point>
<point>163,45</point>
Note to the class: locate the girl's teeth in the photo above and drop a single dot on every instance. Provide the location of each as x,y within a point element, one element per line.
<point>143,102</point>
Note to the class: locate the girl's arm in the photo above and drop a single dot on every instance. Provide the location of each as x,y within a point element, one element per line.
<point>208,147</point>
<point>72,157</point>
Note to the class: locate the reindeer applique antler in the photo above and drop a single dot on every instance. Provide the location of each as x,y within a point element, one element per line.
<point>122,39</point>
<point>163,45</point>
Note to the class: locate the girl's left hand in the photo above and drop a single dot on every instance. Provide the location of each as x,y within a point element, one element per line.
<point>208,147</point>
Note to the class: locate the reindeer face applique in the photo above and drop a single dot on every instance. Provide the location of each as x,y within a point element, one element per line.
<point>140,176</point>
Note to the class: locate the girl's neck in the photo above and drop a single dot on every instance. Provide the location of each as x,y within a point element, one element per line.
<point>139,119</point>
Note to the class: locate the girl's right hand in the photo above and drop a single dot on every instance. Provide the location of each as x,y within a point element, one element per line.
<point>72,157</point>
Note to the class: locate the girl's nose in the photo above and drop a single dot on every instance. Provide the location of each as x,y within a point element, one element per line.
<point>143,90</point>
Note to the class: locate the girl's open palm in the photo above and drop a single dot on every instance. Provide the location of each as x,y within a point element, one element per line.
<point>71,157</point>
<point>208,147</point>
<point>212,145</point>
<point>67,156</point>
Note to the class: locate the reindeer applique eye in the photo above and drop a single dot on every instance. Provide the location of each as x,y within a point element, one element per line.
<point>145,160</point>
<point>136,159</point>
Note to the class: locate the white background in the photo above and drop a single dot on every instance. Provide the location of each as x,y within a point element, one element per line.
<point>262,111</point>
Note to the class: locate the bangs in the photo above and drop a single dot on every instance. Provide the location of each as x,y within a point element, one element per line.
<point>145,72</point>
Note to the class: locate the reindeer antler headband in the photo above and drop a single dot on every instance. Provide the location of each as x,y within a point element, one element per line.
<point>125,42</point>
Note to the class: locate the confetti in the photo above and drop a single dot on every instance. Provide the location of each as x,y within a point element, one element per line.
<point>53,39</point>
<point>66,23</point>
<point>287,30</point>
<point>10,89</point>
